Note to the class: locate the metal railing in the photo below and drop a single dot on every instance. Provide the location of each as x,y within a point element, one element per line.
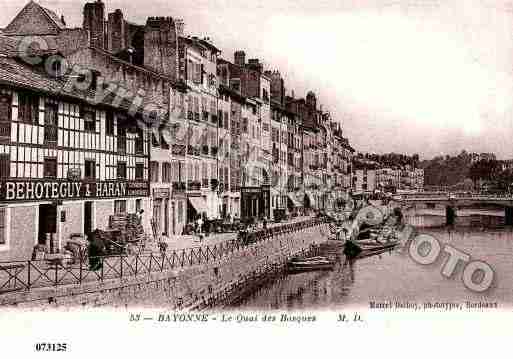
<point>27,275</point>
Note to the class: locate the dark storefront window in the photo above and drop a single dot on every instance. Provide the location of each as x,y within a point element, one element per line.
<point>119,206</point>
<point>5,165</point>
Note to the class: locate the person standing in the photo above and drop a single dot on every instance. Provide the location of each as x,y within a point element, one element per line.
<point>140,216</point>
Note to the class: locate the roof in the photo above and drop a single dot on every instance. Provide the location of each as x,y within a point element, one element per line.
<point>54,17</point>
<point>16,73</point>
<point>198,41</point>
<point>12,47</point>
<point>29,11</point>
<point>231,92</point>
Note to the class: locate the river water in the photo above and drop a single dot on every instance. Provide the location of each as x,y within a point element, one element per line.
<point>395,276</point>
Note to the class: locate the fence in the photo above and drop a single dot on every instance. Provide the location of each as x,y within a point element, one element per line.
<point>26,275</point>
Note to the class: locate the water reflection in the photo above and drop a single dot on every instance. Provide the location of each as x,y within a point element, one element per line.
<point>393,275</point>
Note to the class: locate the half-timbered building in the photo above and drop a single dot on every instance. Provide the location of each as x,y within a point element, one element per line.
<point>66,165</point>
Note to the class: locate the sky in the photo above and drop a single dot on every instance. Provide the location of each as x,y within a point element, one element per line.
<point>431,77</point>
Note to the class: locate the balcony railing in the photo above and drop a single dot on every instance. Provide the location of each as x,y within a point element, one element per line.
<point>178,150</point>
<point>193,151</point>
<point>193,186</point>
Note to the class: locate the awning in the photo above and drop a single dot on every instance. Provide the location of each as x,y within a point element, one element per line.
<point>294,200</point>
<point>199,204</point>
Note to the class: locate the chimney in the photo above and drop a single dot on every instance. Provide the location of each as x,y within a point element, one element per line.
<point>180,27</point>
<point>116,31</point>
<point>94,22</point>
<point>256,65</point>
<point>240,58</point>
<point>161,46</point>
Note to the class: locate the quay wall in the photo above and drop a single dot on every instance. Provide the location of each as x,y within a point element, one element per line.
<point>194,287</point>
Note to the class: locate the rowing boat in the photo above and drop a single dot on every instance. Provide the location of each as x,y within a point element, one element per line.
<point>309,264</point>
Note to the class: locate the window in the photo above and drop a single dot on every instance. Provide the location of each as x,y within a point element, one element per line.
<point>109,123</point>
<point>89,116</point>
<point>50,167</point>
<point>28,108</point>
<point>119,206</point>
<point>226,121</point>
<point>3,239</point>
<point>245,125</point>
<point>154,171</point>
<point>138,205</point>
<point>139,170</point>
<point>90,169</point>
<point>5,165</point>
<point>121,169</point>
<point>5,108</point>
<point>166,172</point>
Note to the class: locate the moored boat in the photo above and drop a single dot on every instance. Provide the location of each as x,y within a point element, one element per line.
<point>310,264</point>
<point>364,248</point>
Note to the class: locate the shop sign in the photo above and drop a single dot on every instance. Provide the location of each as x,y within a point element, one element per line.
<point>41,190</point>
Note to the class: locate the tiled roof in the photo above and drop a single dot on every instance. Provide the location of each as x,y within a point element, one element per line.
<point>11,47</point>
<point>16,73</point>
<point>54,17</point>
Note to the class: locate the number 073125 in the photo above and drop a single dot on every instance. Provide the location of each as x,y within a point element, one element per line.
<point>51,347</point>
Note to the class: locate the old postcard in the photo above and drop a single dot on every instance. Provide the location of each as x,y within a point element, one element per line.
<point>333,174</point>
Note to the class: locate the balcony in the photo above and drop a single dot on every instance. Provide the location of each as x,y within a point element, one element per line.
<point>193,186</point>
<point>178,186</point>
<point>193,151</point>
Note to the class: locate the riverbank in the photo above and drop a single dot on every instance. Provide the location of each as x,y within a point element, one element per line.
<point>197,279</point>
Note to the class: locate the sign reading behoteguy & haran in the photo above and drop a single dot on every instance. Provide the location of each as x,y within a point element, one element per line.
<point>38,190</point>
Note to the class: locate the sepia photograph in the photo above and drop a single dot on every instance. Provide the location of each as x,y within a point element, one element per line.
<point>213,163</point>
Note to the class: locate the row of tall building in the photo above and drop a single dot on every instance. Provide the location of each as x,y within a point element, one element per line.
<point>114,117</point>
